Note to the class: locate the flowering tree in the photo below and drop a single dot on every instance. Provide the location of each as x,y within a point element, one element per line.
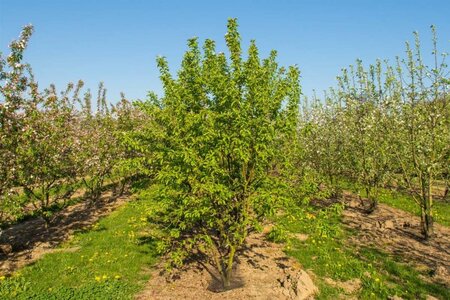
<point>130,162</point>
<point>384,124</point>
<point>324,138</point>
<point>99,151</point>
<point>15,81</point>
<point>46,150</point>
<point>423,135</point>
<point>365,122</point>
<point>47,145</point>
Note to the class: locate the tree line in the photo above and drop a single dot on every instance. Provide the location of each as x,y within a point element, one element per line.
<point>229,143</point>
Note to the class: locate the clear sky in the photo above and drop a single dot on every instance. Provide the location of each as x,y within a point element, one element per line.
<point>117,41</point>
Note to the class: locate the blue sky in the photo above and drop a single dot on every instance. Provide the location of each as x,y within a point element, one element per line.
<point>117,41</point>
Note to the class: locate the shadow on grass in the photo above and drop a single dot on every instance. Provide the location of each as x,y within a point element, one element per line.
<point>18,241</point>
<point>407,277</point>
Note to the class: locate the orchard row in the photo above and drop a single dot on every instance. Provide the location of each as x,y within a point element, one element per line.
<point>228,143</point>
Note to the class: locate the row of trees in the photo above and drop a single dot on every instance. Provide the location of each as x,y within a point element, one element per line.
<point>52,144</point>
<point>217,143</point>
<point>385,125</point>
<point>227,143</point>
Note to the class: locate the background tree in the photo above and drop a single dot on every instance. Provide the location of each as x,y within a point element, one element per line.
<point>423,136</point>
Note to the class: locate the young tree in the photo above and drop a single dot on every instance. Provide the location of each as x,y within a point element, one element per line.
<point>324,140</point>
<point>16,81</point>
<point>46,150</point>
<point>423,139</point>
<point>99,151</point>
<point>217,141</point>
<point>365,123</point>
<point>130,163</point>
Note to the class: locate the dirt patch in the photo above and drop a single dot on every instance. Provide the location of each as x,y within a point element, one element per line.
<point>348,287</point>
<point>26,242</point>
<point>262,271</point>
<point>398,233</point>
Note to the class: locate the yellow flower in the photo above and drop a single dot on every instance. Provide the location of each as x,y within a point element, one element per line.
<point>117,277</point>
<point>2,277</point>
<point>98,278</point>
<point>377,279</point>
<point>104,277</point>
<point>310,216</point>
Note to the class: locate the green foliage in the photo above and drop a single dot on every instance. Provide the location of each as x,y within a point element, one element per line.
<point>278,235</point>
<point>216,140</point>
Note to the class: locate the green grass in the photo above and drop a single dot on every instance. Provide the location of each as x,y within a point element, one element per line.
<point>328,255</point>
<point>403,201</point>
<point>108,261</point>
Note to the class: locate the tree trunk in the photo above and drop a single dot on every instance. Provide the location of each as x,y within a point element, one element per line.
<point>373,201</point>
<point>428,229</point>
<point>229,269</point>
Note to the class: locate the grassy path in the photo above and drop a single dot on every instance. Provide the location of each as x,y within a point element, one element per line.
<point>404,202</point>
<point>110,261</point>
<point>319,241</point>
<point>107,261</point>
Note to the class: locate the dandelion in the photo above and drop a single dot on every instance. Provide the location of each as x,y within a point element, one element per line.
<point>117,277</point>
<point>2,277</point>
<point>98,278</point>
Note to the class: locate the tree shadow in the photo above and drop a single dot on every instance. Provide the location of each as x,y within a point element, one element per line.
<point>18,242</point>
<point>398,233</point>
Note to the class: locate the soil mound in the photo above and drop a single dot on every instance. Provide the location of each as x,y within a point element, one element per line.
<point>262,271</point>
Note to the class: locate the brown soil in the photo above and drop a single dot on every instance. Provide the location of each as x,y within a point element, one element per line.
<point>398,233</point>
<point>262,271</point>
<point>26,242</point>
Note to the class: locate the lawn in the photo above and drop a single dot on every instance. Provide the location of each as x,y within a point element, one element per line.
<point>328,255</point>
<point>106,261</point>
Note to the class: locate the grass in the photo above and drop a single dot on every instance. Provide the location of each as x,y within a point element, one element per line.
<point>14,211</point>
<point>111,261</point>
<point>403,201</point>
<point>328,255</point>
<point>108,261</point>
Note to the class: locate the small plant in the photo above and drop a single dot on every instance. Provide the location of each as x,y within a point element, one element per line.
<point>278,235</point>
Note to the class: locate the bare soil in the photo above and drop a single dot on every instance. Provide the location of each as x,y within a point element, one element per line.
<point>26,242</point>
<point>262,271</point>
<point>398,233</point>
